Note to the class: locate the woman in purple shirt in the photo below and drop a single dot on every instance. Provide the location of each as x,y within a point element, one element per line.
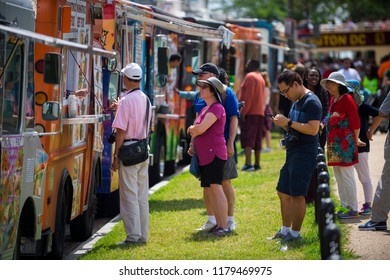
<point>210,146</point>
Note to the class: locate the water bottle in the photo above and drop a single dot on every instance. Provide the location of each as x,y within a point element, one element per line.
<point>72,106</point>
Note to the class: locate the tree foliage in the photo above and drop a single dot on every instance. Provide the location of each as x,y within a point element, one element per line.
<point>318,11</point>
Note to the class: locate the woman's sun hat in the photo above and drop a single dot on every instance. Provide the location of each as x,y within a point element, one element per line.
<point>354,88</point>
<point>336,77</point>
<point>215,84</point>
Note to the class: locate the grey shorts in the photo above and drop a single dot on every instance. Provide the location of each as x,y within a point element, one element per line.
<point>230,169</point>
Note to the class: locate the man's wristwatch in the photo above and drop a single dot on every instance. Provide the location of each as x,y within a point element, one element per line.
<point>289,124</point>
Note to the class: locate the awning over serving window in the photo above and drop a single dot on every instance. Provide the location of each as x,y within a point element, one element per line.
<point>146,14</point>
<point>55,42</point>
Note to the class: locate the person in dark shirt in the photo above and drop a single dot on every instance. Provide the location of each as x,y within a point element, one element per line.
<point>301,143</point>
<point>365,111</point>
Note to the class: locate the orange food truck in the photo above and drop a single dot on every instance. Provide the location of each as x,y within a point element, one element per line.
<point>50,153</point>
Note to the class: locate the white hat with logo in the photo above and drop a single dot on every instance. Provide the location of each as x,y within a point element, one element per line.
<point>132,71</point>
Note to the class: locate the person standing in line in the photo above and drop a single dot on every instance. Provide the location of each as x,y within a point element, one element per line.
<point>301,143</point>
<point>268,111</point>
<point>300,69</point>
<point>381,204</point>
<point>129,123</point>
<point>383,66</point>
<point>230,104</point>
<point>348,72</point>
<point>370,79</point>
<point>252,115</point>
<point>362,168</point>
<point>209,142</point>
<point>311,80</point>
<point>342,142</point>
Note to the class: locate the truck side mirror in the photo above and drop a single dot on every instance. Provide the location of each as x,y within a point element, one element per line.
<point>113,87</point>
<point>50,111</point>
<point>111,64</point>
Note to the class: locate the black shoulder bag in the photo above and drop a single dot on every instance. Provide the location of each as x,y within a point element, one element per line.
<point>136,152</point>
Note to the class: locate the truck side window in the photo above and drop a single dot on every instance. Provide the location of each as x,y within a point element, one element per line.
<point>12,90</point>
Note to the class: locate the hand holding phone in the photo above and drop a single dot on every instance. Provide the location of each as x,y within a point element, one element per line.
<point>270,116</point>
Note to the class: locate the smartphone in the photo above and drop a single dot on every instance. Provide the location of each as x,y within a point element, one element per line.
<point>270,116</point>
<point>282,143</point>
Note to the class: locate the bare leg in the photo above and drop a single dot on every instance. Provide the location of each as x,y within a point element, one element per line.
<point>219,204</point>
<point>230,196</point>
<point>207,202</point>
<point>299,208</point>
<point>248,155</point>
<point>257,157</point>
<point>286,209</point>
<point>268,139</point>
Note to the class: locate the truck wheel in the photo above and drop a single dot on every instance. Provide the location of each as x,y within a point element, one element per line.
<point>156,171</point>
<point>59,235</point>
<point>16,255</point>
<point>170,167</point>
<point>82,226</point>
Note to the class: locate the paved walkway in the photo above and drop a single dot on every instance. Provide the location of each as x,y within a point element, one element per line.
<point>370,245</point>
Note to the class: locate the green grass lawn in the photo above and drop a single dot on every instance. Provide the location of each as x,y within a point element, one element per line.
<point>177,209</point>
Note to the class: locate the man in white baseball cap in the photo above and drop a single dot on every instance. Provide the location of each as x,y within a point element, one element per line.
<point>132,71</point>
<point>131,122</point>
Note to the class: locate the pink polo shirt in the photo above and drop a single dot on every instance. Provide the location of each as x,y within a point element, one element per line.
<point>211,143</point>
<point>130,115</point>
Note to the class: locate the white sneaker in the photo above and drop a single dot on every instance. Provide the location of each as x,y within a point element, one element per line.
<point>266,150</point>
<point>231,225</point>
<point>207,226</point>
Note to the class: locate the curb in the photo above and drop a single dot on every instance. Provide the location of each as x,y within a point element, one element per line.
<point>103,231</point>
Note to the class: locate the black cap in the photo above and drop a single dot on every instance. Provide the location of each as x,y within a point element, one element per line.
<point>207,67</point>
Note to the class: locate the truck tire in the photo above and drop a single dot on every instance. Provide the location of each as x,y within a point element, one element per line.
<point>58,244</point>
<point>81,227</point>
<point>156,171</point>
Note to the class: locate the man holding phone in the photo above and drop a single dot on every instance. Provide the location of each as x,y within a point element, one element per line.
<point>301,144</point>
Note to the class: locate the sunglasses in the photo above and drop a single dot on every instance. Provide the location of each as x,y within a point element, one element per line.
<point>204,87</point>
<point>284,93</point>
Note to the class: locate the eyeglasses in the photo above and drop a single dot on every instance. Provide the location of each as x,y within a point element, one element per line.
<point>284,93</point>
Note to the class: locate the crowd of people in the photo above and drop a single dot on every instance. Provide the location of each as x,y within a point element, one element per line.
<point>354,98</point>
<point>335,107</point>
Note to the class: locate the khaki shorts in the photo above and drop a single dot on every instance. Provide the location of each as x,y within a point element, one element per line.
<point>230,169</point>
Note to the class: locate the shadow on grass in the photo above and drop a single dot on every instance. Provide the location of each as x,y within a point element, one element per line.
<point>115,246</point>
<point>284,247</point>
<point>175,205</point>
<point>205,236</point>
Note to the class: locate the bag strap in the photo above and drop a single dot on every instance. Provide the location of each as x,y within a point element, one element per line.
<point>147,116</point>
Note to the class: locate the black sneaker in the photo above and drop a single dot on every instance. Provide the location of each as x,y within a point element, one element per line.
<point>247,167</point>
<point>256,167</point>
<point>370,225</point>
<point>289,238</point>
<point>221,232</point>
<point>213,228</point>
<point>129,242</point>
